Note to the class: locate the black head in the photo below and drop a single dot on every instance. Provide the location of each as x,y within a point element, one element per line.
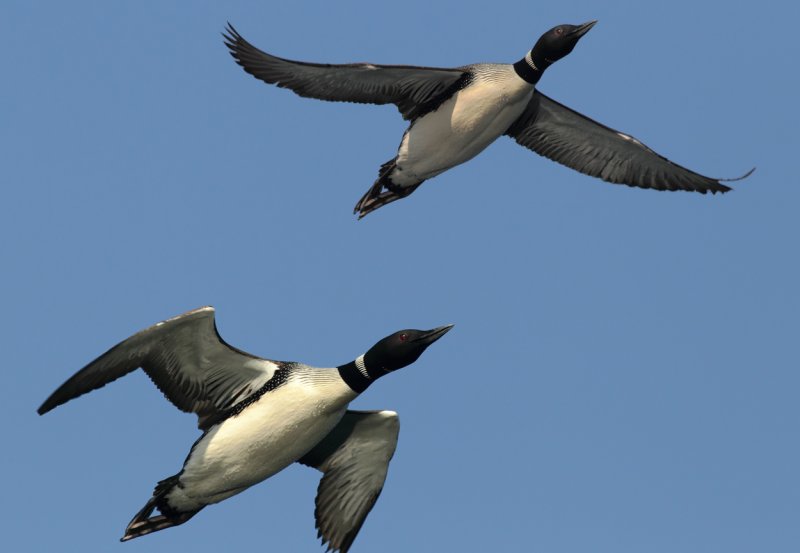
<point>400,349</point>
<point>557,43</point>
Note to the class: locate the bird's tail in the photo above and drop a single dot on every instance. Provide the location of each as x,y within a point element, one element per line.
<point>143,524</point>
<point>377,197</point>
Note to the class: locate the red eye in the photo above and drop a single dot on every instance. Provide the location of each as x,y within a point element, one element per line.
<point>403,337</point>
<point>559,31</point>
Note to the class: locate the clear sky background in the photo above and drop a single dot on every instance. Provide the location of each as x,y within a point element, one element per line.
<point>623,373</point>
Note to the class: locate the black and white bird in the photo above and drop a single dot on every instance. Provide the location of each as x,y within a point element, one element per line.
<point>258,417</point>
<point>455,113</point>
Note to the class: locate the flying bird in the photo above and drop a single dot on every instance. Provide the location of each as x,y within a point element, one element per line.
<point>455,113</point>
<point>259,416</point>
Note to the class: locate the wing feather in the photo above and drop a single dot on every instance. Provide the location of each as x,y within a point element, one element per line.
<point>354,459</point>
<point>408,87</point>
<point>565,136</point>
<point>185,358</point>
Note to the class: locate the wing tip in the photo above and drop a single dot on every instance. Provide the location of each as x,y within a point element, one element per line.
<point>230,34</point>
<point>52,402</point>
<point>233,40</point>
<point>721,188</point>
<point>747,174</point>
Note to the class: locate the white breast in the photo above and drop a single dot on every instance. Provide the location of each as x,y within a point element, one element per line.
<point>266,437</point>
<point>463,126</point>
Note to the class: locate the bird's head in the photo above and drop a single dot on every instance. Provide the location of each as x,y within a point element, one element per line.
<point>557,43</point>
<point>400,349</point>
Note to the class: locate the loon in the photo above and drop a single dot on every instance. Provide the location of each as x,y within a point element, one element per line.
<point>259,416</point>
<point>455,113</point>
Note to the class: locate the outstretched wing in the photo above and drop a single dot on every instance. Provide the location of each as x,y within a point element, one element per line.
<point>559,133</point>
<point>188,361</point>
<point>354,458</point>
<point>406,86</point>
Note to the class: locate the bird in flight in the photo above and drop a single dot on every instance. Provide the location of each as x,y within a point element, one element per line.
<point>259,416</point>
<point>455,113</point>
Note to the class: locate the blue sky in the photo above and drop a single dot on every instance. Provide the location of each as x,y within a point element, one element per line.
<point>623,372</point>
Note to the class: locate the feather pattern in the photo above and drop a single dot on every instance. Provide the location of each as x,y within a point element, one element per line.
<point>409,87</point>
<point>354,459</point>
<point>565,136</point>
<point>186,359</point>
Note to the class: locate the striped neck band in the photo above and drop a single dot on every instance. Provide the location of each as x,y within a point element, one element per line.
<point>362,368</point>
<point>529,60</point>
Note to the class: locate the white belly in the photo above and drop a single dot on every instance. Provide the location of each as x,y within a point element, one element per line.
<point>264,439</point>
<point>460,129</point>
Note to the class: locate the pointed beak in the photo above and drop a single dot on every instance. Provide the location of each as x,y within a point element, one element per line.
<point>581,30</point>
<point>431,336</point>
